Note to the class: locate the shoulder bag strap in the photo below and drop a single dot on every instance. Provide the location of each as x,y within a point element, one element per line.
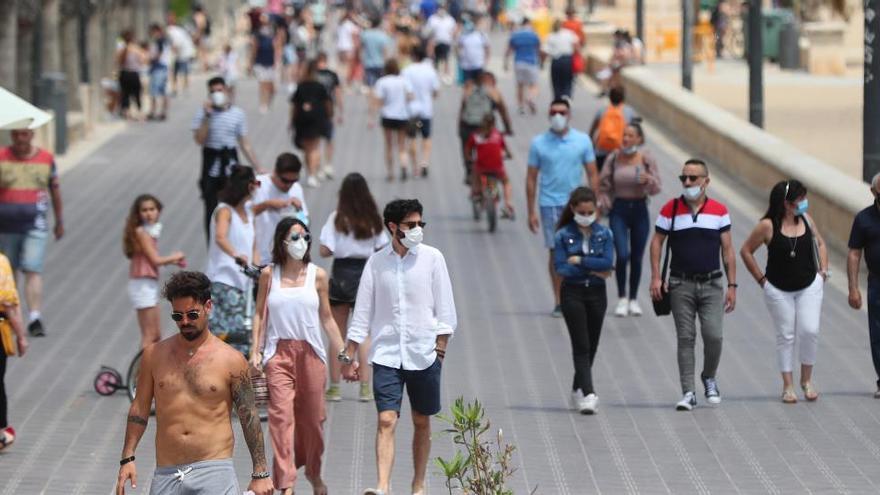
<point>669,241</point>
<point>814,244</point>
<point>264,320</point>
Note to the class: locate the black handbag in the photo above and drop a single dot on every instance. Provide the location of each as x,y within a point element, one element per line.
<point>663,306</point>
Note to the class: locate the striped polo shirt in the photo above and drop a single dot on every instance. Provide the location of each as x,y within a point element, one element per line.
<point>24,190</point>
<point>224,130</point>
<point>696,241</point>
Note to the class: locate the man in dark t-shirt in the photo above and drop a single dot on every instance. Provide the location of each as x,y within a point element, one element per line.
<point>311,114</point>
<point>330,81</point>
<point>865,236</point>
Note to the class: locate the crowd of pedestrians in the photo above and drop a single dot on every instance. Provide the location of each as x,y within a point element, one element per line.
<point>384,314</point>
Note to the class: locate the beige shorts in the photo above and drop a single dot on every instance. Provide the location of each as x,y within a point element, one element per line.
<point>264,74</point>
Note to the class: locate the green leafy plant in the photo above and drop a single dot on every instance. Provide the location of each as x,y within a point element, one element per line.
<point>485,466</point>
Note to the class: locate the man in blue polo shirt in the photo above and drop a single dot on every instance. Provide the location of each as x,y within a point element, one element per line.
<point>525,46</point>
<point>559,157</point>
<point>698,229</point>
<point>865,235</point>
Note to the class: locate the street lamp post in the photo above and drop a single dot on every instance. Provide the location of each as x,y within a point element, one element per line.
<point>687,36</point>
<point>871,108</point>
<point>640,21</point>
<point>756,67</point>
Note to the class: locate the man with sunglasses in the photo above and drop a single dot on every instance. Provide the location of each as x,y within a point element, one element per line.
<point>405,305</point>
<point>559,158</point>
<point>196,380</point>
<point>279,195</point>
<point>698,229</point>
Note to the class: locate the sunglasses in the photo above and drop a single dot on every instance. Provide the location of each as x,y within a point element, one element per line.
<point>287,181</point>
<point>413,225</point>
<point>190,315</point>
<point>558,112</point>
<point>692,178</point>
<point>297,236</point>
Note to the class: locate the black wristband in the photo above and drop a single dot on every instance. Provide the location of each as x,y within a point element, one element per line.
<point>261,475</point>
<point>733,285</point>
<point>125,461</point>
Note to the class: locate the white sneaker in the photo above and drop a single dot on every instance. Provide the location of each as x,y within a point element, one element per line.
<point>634,308</point>
<point>327,172</point>
<point>576,397</point>
<point>322,175</point>
<point>687,403</point>
<point>589,404</point>
<point>622,308</point>
<point>312,181</point>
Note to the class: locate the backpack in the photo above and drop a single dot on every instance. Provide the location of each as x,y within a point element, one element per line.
<point>476,107</point>
<point>609,132</point>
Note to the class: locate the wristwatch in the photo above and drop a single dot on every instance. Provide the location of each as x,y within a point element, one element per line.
<point>343,358</point>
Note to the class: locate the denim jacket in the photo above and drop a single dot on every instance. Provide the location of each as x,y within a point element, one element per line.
<point>600,258</point>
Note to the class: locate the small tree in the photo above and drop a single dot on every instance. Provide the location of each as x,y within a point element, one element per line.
<point>484,469</point>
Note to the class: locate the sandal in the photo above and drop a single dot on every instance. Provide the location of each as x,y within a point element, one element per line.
<point>789,397</point>
<point>809,392</point>
<point>7,437</point>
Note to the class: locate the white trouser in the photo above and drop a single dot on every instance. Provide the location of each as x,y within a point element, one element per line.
<point>796,315</point>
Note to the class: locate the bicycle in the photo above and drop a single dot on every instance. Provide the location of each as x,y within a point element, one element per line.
<point>488,201</point>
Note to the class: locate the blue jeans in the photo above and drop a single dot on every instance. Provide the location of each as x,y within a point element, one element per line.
<point>630,225</point>
<point>874,321</point>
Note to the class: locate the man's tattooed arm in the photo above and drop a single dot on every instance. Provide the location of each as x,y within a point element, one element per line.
<point>243,400</point>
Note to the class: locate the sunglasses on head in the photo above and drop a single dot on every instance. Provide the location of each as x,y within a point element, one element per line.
<point>413,224</point>
<point>297,236</point>
<point>692,178</point>
<point>190,315</point>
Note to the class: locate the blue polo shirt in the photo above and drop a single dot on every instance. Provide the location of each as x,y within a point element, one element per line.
<point>526,46</point>
<point>560,161</point>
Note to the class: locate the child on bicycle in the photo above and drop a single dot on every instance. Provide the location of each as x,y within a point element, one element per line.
<point>140,245</point>
<point>488,150</point>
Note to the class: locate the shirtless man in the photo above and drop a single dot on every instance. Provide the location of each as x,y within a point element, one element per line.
<point>196,380</point>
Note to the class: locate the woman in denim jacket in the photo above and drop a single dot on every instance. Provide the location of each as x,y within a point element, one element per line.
<point>583,257</point>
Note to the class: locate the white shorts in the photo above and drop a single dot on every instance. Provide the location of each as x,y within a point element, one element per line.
<point>263,73</point>
<point>143,292</point>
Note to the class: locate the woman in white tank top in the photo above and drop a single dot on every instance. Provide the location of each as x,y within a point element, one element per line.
<point>232,242</point>
<point>293,305</point>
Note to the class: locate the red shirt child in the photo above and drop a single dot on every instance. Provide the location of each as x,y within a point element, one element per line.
<point>490,152</point>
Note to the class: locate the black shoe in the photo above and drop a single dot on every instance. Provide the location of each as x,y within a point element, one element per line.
<point>424,172</point>
<point>403,175</point>
<point>35,328</point>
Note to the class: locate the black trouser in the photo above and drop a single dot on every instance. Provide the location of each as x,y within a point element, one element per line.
<point>210,186</point>
<point>4,421</point>
<point>561,76</point>
<point>584,310</point>
<point>129,88</point>
<point>464,132</point>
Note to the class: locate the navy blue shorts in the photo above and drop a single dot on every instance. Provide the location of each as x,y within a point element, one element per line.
<point>422,387</point>
<point>418,126</point>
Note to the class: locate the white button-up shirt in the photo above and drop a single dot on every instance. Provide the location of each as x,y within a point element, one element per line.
<point>403,304</point>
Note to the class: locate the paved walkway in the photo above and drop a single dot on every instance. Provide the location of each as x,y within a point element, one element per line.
<point>508,352</point>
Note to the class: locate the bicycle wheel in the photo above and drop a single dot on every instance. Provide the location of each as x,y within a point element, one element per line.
<point>133,370</point>
<point>490,203</point>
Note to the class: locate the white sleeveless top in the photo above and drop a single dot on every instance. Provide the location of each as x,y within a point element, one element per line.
<point>293,314</point>
<point>222,267</point>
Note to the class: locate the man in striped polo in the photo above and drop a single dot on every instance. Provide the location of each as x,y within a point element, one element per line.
<point>698,229</point>
<point>219,127</point>
<point>28,179</point>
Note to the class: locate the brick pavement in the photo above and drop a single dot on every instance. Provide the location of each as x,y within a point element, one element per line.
<point>508,352</point>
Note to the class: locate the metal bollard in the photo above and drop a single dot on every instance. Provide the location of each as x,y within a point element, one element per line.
<point>52,94</point>
<point>789,49</point>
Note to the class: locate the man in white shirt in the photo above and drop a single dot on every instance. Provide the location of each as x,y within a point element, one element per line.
<point>473,51</point>
<point>184,51</point>
<point>424,81</point>
<point>441,32</point>
<point>279,195</point>
<point>405,305</point>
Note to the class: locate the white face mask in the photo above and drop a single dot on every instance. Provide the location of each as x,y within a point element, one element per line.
<point>692,192</point>
<point>297,249</point>
<point>558,122</point>
<point>412,237</point>
<point>218,99</point>
<point>584,220</point>
<point>154,229</point>
<point>629,150</point>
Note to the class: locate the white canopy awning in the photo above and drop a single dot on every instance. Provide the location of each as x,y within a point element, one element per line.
<point>16,113</point>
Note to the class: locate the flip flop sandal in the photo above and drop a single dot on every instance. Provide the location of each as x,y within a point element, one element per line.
<point>7,438</point>
<point>809,392</point>
<point>789,397</point>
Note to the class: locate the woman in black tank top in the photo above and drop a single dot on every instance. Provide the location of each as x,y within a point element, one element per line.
<point>797,266</point>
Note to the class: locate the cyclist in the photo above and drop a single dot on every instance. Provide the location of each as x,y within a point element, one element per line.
<point>488,149</point>
<point>477,101</point>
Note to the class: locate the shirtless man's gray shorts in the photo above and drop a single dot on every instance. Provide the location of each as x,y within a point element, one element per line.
<point>199,478</point>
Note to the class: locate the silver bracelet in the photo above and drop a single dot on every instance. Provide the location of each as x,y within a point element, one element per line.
<point>261,475</point>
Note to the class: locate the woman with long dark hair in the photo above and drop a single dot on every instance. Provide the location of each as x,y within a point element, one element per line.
<point>583,255</point>
<point>232,244</point>
<point>797,267</point>
<point>628,179</point>
<point>311,114</point>
<point>351,235</point>
<point>293,296</point>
